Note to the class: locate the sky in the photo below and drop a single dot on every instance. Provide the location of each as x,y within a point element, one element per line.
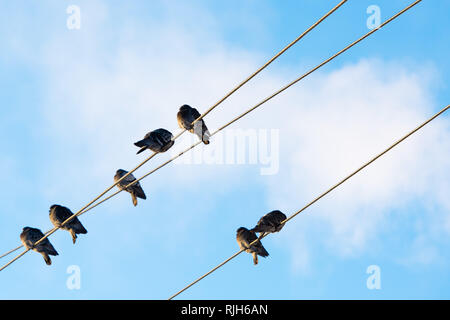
<point>74,100</point>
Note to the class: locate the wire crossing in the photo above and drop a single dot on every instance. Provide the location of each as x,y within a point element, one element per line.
<point>86,207</point>
<point>320,196</point>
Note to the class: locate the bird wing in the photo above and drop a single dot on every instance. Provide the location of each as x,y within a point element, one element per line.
<point>124,182</point>
<point>138,191</point>
<point>166,135</point>
<point>195,114</point>
<point>257,247</point>
<point>75,223</point>
<point>127,180</point>
<point>34,235</point>
<point>158,138</point>
<point>260,250</point>
<point>185,118</point>
<point>62,213</point>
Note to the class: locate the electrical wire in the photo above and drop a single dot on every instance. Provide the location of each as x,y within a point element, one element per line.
<point>319,197</point>
<point>86,207</point>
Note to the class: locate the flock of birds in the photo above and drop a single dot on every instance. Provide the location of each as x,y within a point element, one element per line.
<point>158,141</point>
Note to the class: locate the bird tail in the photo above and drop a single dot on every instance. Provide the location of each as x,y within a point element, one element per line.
<point>141,144</point>
<point>142,149</point>
<point>206,136</point>
<point>255,258</point>
<point>258,229</point>
<point>74,235</point>
<point>47,259</point>
<point>134,199</point>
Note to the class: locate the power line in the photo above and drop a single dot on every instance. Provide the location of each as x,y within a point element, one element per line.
<point>243,114</point>
<point>10,251</point>
<point>273,59</point>
<point>79,212</point>
<point>266,64</point>
<point>312,70</point>
<point>267,99</point>
<point>86,207</point>
<point>319,197</point>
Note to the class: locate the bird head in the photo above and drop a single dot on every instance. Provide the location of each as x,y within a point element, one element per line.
<point>241,229</point>
<point>185,107</point>
<point>121,172</point>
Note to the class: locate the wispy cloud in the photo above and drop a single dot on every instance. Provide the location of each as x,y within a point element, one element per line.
<point>340,121</point>
<point>102,94</point>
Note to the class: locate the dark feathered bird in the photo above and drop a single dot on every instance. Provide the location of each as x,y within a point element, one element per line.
<point>159,140</point>
<point>30,236</point>
<point>244,237</point>
<point>58,214</point>
<point>186,116</point>
<point>135,190</point>
<point>270,223</point>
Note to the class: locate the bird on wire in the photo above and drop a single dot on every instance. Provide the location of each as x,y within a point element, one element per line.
<point>135,190</point>
<point>244,237</point>
<point>270,223</point>
<point>30,236</point>
<point>58,214</point>
<point>186,116</point>
<point>159,140</point>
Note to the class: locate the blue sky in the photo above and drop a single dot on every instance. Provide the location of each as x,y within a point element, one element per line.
<point>74,101</point>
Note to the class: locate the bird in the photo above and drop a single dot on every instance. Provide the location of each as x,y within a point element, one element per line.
<point>30,236</point>
<point>186,116</point>
<point>159,140</point>
<point>58,214</point>
<point>135,190</point>
<point>269,223</point>
<point>244,237</point>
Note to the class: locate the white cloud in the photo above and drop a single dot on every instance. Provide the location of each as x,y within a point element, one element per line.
<point>343,119</point>
<point>102,98</point>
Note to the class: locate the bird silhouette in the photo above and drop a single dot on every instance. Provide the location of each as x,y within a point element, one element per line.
<point>135,190</point>
<point>186,116</point>
<point>30,236</point>
<point>269,223</point>
<point>159,140</point>
<point>244,237</point>
<point>58,214</point>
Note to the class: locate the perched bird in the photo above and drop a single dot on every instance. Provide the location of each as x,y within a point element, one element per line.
<point>186,116</point>
<point>30,236</point>
<point>270,223</point>
<point>244,237</point>
<point>159,140</point>
<point>58,214</point>
<point>135,190</point>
